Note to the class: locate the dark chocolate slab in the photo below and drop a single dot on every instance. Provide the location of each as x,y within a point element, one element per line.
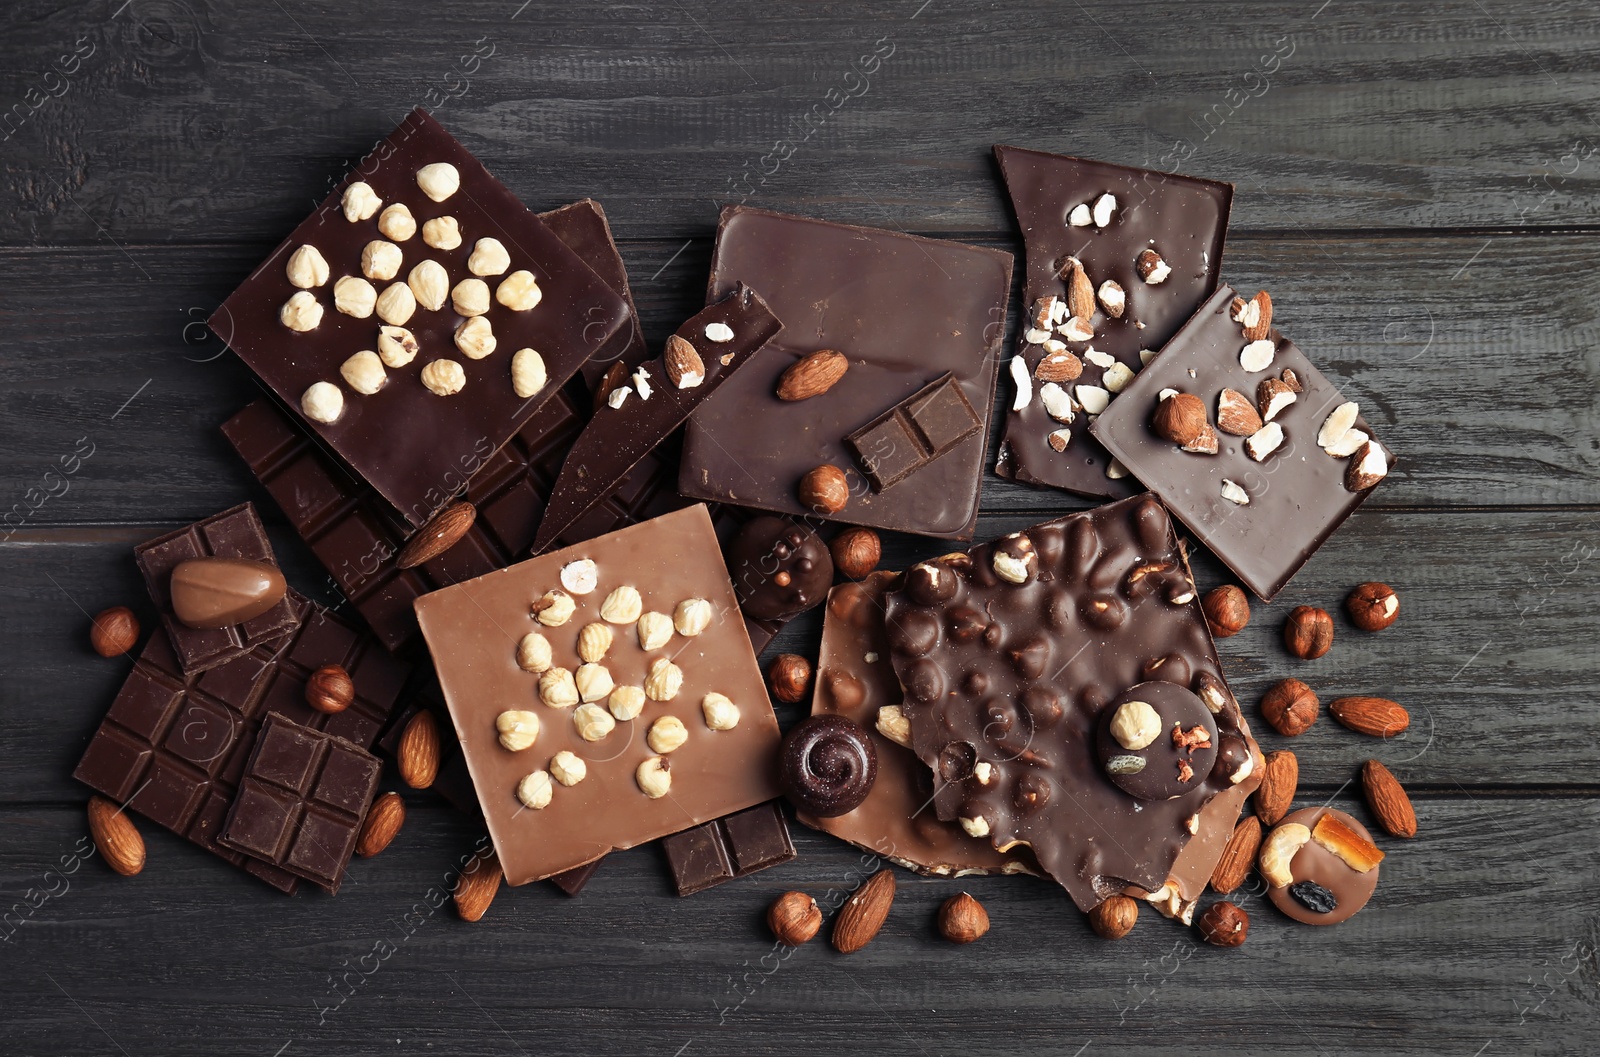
<point>739,845</point>
<point>1005,681</point>
<point>1297,494</point>
<point>234,533</point>
<point>582,225</point>
<point>1182,218</point>
<point>301,801</point>
<point>903,310</point>
<point>415,448</point>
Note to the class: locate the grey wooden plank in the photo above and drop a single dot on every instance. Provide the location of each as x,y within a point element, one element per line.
<point>194,122</point>
<point>1474,357</point>
<point>1478,937</point>
<point>1493,653</point>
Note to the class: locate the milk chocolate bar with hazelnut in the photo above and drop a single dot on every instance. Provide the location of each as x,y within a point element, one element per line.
<point>1288,445</point>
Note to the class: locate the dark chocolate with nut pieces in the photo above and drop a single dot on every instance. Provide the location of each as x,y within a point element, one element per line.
<point>1263,517</point>
<point>1179,218</point>
<point>1009,652</point>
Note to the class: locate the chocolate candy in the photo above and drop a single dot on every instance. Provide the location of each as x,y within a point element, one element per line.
<point>636,418</point>
<point>470,276</point>
<point>1065,213</point>
<point>829,765</point>
<point>1325,888</point>
<point>301,801</point>
<point>1008,655</point>
<point>1156,739</point>
<point>904,311</point>
<point>173,745</point>
<point>779,568</point>
<point>855,680</point>
<point>234,533</point>
<point>219,592</point>
<point>930,423</point>
<point>736,846</point>
<point>1294,494</point>
<point>670,728</point>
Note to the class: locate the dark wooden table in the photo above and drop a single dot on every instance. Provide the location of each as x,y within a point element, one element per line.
<point>1417,186</point>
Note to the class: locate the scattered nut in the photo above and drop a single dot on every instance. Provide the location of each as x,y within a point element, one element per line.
<point>518,729</point>
<point>1234,494</point>
<point>477,887</point>
<point>1023,382</point>
<point>593,682</point>
<point>1377,717</point>
<point>1372,606</point>
<point>1093,398</point>
<point>1151,268</point>
<point>1080,291</point>
<point>322,402</point>
<point>397,346</point>
<point>962,919</point>
<point>470,297</point>
<point>114,631</point>
<point>790,677</point>
<point>1236,415</point>
<point>654,630</point>
<point>1135,725</point>
<point>856,552</point>
<point>364,372</point>
<point>568,768</point>
<point>622,606</point>
<point>489,257</point>
<point>475,338</point>
<point>396,305</point>
<point>1224,925</point>
<point>593,642</point>
<point>1257,356</point>
<point>1227,610</point>
<point>527,373</point>
<point>1076,329</point>
<point>685,369</point>
<point>397,223</point>
<point>444,377</point>
<point>1105,207</point>
<point>825,489</point>
<point>1339,422</point>
<point>1388,800</point>
<point>1273,395</point>
<point>692,616</point>
<point>719,332</point>
<point>626,702</point>
<point>864,913</point>
<point>442,233</point>
<point>1080,217</point>
<point>1308,633</point>
<point>720,712</point>
<point>663,681</point>
<point>439,180</point>
<point>519,291</point>
<point>1290,707</point>
<point>812,375</point>
<point>593,722</point>
<point>557,688</point>
<point>116,838</point>
<point>1058,439</point>
<point>535,790</point>
<point>553,608</point>
<point>418,756</point>
<point>430,284</point>
<point>580,576</point>
<point>1279,849</point>
<point>1367,467</point>
<point>384,819</point>
<point>1112,298</point>
<point>1264,441</point>
<point>301,313</point>
<point>893,724</point>
<point>1348,444</point>
<point>654,776</point>
<point>330,689</point>
<point>666,734</point>
<point>975,827</point>
<point>1114,917</point>
<point>381,260</point>
<point>360,201</point>
<point>1280,779</point>
<point>354,296</point>
<point>307,268</point>
<point>794,918</point>
<point>1116,377</point>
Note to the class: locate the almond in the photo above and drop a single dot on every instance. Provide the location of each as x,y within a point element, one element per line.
<point>115,836</point>
<point>418,756</point>
<point>685,368</point>
<point>1272,396</point>
<point>1388,800</point>
<point>1205,443</point>
<point>1238,856</point>
<point>1261,328</point>
<point>1236,414</point>
<point>864,914</point>
<point>384,819</point>
<point>1080,291</point>
<point>615,377</point>
<point>1377,716</point>
<point>812,376</point>
<point>477,887</point>
<point>1367,467</point>
<point>438,535</point>
<point>1279,780</point>
<point>1058,366</point>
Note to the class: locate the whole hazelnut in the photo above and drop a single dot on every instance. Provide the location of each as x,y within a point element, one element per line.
<point>856,552</point>
<point>1227,610</point>
<point>1372,606</point>
<point>1224,925</point>
<point>962,919</point>
<point>1114,918</point>
<point>794,918</point>
<point>1180,418</point>
<point>330,689</point>
<point>825,489</point>
<point>1308,633</point>
<point>790,677</point>
<point>114,631</point>
<point>1290,707</point>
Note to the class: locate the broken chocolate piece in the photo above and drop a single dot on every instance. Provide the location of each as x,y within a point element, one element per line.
<point>930,423</point>
<point>736,846</point>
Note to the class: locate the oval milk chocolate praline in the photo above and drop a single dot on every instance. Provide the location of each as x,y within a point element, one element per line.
<point>828,765</point>
<point>221,592</point>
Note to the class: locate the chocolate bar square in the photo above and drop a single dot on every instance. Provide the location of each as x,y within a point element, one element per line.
<point>924,426</point>
<point>736,846</point>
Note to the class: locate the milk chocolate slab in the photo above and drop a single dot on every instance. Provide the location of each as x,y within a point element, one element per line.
<point>1008,653</point>
<point>473,630</point>
<point>301,801</point>
<point>903,310</point>
<point>897,820</point>
<point>414,447</point>
<point>744,843</point>
<point>234,533</point>
<point>1181,218</point>
<point>909,436</point>
<point>641,414</point>
<point>173,746</point>
<point>1297,494</point>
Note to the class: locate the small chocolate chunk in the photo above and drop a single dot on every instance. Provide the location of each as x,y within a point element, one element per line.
<point>929,423</point>
<point>736,846</point>
<point>778,568</point>
<point>221,592</point>
<point>828,765</point>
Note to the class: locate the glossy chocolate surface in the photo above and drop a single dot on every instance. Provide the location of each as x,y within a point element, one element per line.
<point>903,310</point>
<point>1351,888</point>
<point>1182,218</point>
<point>234,533</point>
<point>930,423</point>
<point>415,448</point>
<point>582,225</point>
<point>617,438</point>
<point>828,764</point>
<point>221,592</point>
<point>779,568</point>
<point>1297,495</point>
<point>1005,683</point>
<point>739,845</point>
<point>473,630</point>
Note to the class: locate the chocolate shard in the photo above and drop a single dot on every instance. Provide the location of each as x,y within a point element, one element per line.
<point>928,424</point>
<point>739,845</point>
<point>660,398</point>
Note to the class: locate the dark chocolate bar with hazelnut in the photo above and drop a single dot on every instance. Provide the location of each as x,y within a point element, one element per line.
<point>929,423</point>
<point>1012,656</point>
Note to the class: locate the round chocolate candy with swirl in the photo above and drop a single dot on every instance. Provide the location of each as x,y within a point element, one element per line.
<point>1157,740</point>
<point>827,765</point>
<point>778,568</point>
